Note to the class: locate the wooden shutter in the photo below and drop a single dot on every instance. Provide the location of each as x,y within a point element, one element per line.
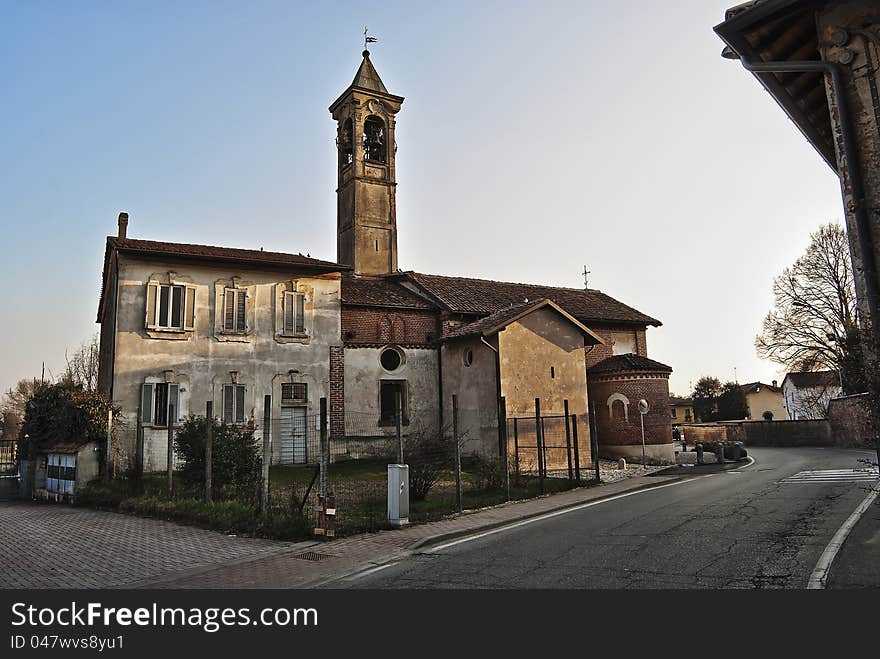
<point>229,310</point>
<point>228,403</point>
<point>289,312</point>
<point>241,310</point>
<point>174,399</point>
<point>300,327</point>
<point>239,403</point>
<point>189,311</point>
<point>150,318</point>
<point>146,404</point>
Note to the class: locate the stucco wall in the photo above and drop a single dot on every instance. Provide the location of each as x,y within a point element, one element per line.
<point>475,388</point>
<point>201,360</point>
<point>766,401</point>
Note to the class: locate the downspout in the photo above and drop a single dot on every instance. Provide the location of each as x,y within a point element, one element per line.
<point>497,392</point>
<point>866,243</point>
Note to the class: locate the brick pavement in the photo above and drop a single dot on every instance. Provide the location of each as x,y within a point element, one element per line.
<point>57,546</point>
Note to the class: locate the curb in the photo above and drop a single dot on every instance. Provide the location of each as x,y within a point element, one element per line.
<point>450,535</point>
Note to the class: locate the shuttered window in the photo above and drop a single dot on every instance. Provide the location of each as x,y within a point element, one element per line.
<point>157,400</point>
<point>170,306</point>
<point>235,310</point>
<point>294,313</point>
<point>233,403</point>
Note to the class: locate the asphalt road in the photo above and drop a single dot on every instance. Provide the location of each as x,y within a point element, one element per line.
<point>737,529</point>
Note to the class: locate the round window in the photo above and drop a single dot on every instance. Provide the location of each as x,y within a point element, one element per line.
<point>468,356</point>
<point>390,359</point>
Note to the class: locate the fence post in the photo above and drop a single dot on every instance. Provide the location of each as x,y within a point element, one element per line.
<point>324,462</point>
<point>594,440</point>
<point>516,445</point>
<point>539,443</point>
<point>267,457</point>
<point>567,437</point>
<point>108,475</point>
<point>577,453</point>
<point>170,451</point>
<point>503,407</point>
<point>397,422</point>
<point>455,439</point>
<point>209,449</point>
<point>139,454</point>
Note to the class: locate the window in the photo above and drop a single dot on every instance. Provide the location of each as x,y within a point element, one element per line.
<point>391,359</point>
<point>468,357</point>
<point>294,314</point>
<point>235,310</point>
<point>60,473</point>
<point>552,373</point>
<point>674,413</point>
<point>157,398</point>
<point>170,307</point>
<point>374,139</point>
<point>388,396</point>
<point>293,393</point>
<point>687,415</point>
<point>233,403</point>
<point>344,142</point>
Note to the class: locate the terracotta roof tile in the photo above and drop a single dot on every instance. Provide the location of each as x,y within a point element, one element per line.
<point>484,296</point>
<point>630,362</point>
<point>805,379</point>
<point>380,292</point>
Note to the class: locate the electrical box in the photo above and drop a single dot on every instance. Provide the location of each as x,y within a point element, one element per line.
<point>398,495</point>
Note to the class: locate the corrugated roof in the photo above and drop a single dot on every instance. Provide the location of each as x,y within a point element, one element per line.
<point>483,296</point>
<point>627,363</point>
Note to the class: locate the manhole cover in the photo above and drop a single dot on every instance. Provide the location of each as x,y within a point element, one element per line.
<point>312,556</point>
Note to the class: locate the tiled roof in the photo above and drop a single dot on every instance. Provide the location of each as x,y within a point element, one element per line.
<point>484,296</point>
<point>805,379</point>
<point>754,387</point>
<point>674,400</point>
<point>626,363</point>
<point>256,256</point>
<point>380,292</point>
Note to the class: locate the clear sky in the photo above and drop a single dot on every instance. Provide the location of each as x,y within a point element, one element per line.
<point>536,137</point>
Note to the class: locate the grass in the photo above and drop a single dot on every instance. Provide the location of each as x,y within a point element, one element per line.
<point>358,485</point>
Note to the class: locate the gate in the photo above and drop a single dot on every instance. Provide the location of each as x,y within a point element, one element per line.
<point>9,468</point>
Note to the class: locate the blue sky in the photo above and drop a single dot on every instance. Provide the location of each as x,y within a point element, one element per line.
<point>536,137</point>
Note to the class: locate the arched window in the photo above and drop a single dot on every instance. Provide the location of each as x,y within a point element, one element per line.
<point>344,142</point>
<point>374,139</point>
<point>768,415</point>
<point>618,411</point>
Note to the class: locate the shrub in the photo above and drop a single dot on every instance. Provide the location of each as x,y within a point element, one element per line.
<point>235,459</point>
<point>486,473</point>
<point>428,453</point>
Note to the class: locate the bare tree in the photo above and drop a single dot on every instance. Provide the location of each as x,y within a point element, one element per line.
<point>12,406</point>
<point>814,314</point>
<point>82,365</point>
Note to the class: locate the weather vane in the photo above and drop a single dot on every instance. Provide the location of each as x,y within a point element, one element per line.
<point>368,39</point>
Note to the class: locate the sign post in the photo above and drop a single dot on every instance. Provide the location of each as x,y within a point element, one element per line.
<point>643,410</point>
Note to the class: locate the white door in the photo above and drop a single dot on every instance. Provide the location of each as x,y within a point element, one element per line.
<point>294,447</point>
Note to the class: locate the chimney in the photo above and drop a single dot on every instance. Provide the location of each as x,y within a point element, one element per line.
<point>774,384</point>
<point>123,225</point>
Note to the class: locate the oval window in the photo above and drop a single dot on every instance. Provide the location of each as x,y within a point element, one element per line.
<point>468,357</point>
<point>390,359</point>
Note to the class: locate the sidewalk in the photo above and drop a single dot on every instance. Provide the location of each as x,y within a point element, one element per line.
<point>311,564</point>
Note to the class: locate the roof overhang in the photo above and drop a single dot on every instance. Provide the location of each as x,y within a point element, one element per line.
<point>785,31</point>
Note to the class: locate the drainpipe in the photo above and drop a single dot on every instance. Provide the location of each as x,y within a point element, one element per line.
<point>866,242</point>
<point>497,392</point>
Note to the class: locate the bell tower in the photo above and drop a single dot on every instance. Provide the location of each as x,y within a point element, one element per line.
<point>366,213</point>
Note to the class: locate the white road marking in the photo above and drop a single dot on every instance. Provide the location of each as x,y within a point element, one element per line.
<point>556,513</point>
<point>370,571</point>
<point>819,577</point>
<point>833,476</point>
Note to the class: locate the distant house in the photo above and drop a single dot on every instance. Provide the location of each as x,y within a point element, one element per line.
<point>807,393</point>
<point>682,410</point>
<point>765,401</point>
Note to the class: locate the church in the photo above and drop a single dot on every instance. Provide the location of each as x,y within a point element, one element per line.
<point>187,326</point>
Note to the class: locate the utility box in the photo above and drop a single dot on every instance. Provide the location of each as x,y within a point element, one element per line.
<point>398,495</point>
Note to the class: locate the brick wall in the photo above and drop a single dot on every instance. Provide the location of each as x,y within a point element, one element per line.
<point>596,354</point>
<point>763,433</point>
<point>370,326</point>
<point>337,391</point>
<point>850,421</point>
<point>622,429</point>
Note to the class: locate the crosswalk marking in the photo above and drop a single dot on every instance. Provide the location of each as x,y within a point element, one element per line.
<point>833,476</point>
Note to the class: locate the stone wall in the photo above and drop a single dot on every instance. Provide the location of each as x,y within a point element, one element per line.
<point>762,433</point>
<point>851,421</point>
